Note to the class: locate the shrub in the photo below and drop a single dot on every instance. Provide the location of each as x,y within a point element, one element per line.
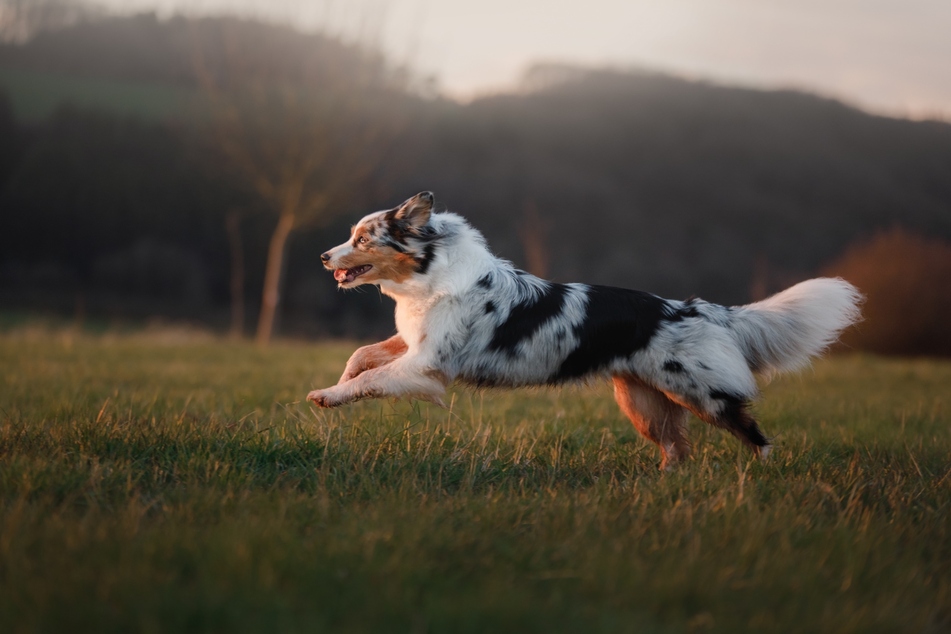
<point>907,281</point>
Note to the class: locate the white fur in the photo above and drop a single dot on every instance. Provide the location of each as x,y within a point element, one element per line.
<point>470,316</point>
<point>786,330</point>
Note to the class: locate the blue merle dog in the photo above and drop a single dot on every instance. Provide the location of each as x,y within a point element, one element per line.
<point>463,314</point>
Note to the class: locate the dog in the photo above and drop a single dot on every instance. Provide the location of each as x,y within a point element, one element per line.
<point>463,314</point>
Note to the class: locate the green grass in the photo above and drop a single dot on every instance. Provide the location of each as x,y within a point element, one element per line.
<point>155,483</point>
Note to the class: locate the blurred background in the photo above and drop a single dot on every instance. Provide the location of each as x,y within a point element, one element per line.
<point>187,162</point>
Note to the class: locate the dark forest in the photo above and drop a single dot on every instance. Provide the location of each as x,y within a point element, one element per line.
<point>145,166</point>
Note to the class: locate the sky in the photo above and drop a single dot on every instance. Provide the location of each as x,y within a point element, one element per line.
<point>887,56</point>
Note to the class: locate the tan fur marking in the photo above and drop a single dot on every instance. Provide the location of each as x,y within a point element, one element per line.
<point>361,231</point>
<point>394,345</point>
<point>388,264</point>
<point>373,356</point>
<point>656,417</point>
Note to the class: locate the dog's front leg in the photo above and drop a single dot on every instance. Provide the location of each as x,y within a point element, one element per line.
<point>373,356</point>
<point>400,379</point>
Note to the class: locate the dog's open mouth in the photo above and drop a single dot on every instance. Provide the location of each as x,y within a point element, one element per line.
<point>345,276</point>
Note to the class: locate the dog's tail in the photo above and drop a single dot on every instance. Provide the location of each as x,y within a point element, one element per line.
<point>783,332</point>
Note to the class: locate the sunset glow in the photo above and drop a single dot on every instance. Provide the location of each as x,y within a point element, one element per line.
<point>886,56</point>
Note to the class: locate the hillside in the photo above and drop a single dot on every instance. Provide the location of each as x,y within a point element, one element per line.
<point>685,187</point>
<point>635,179</point>
<point>147,67</point>
<point>144,48</point>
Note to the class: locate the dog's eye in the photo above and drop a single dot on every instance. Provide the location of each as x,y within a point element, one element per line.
<point>362,240</point>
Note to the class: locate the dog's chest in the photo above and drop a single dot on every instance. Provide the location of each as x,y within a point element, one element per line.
<point>432,324</point>
<point>414,322</point>
<point>410,322</point>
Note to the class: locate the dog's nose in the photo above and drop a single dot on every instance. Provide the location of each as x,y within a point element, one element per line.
<point>325,257</point>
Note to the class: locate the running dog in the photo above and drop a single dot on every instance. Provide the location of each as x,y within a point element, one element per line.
<point>463,314</point>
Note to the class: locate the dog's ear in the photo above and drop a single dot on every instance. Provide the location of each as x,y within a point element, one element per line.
<point>416,210</point>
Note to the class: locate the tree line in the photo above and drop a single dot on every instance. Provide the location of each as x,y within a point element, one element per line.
<point>218,214</point>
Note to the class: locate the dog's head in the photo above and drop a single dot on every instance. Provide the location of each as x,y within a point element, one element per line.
<point>390,245</point>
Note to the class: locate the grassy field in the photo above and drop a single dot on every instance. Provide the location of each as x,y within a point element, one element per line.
<point>178,483</point>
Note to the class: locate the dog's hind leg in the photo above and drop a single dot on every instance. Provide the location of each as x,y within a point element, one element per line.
<point>731,413</point>
<point>659,419</point>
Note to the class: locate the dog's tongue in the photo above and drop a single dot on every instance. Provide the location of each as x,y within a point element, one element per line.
<point>340,275</point>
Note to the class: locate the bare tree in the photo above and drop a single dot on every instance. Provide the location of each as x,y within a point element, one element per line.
<point>533,234</point>
<point>304,135</point>
<point>236,247</point>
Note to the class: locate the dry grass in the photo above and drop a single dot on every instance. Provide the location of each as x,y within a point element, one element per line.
<point>170,485</point>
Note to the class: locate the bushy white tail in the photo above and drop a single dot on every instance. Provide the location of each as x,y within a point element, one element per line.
<point>783,332</point>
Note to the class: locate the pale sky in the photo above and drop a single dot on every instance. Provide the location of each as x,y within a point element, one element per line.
<point>888,56</point>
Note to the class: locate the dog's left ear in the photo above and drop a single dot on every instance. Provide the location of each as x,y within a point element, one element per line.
<point>417,209</point>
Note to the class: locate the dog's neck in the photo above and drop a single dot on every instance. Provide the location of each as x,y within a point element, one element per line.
<point>460,259</point>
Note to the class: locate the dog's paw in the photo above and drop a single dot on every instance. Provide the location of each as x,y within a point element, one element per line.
<point>322,398</point>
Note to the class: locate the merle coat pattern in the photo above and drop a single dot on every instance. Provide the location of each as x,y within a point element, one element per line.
<point>465,315</point>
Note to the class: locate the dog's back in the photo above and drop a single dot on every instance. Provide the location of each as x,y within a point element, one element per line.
<point>464,314</point>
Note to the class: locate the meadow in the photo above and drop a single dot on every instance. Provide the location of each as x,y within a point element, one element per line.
<point>177,482</point>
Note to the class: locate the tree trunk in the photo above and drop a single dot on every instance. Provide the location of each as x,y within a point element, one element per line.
<point>233,225</point>
<point>272,277</point>
<point>532,233</point>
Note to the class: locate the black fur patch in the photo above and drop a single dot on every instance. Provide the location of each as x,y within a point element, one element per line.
<point>483,377</point>
<point>393,244</point>
<point>526,318</point>
<point>403,231</point>
<point>489,307</point>
<point>675,367</point>
<point>398,230</point>
<point>728,397</point>
<point>689,311</point>
<point>423,262</point>
<point>618,322</point>
<point>735,418</point>
<point>485,281</point>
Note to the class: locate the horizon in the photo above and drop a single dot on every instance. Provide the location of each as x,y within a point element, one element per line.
<point>886,57</point>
